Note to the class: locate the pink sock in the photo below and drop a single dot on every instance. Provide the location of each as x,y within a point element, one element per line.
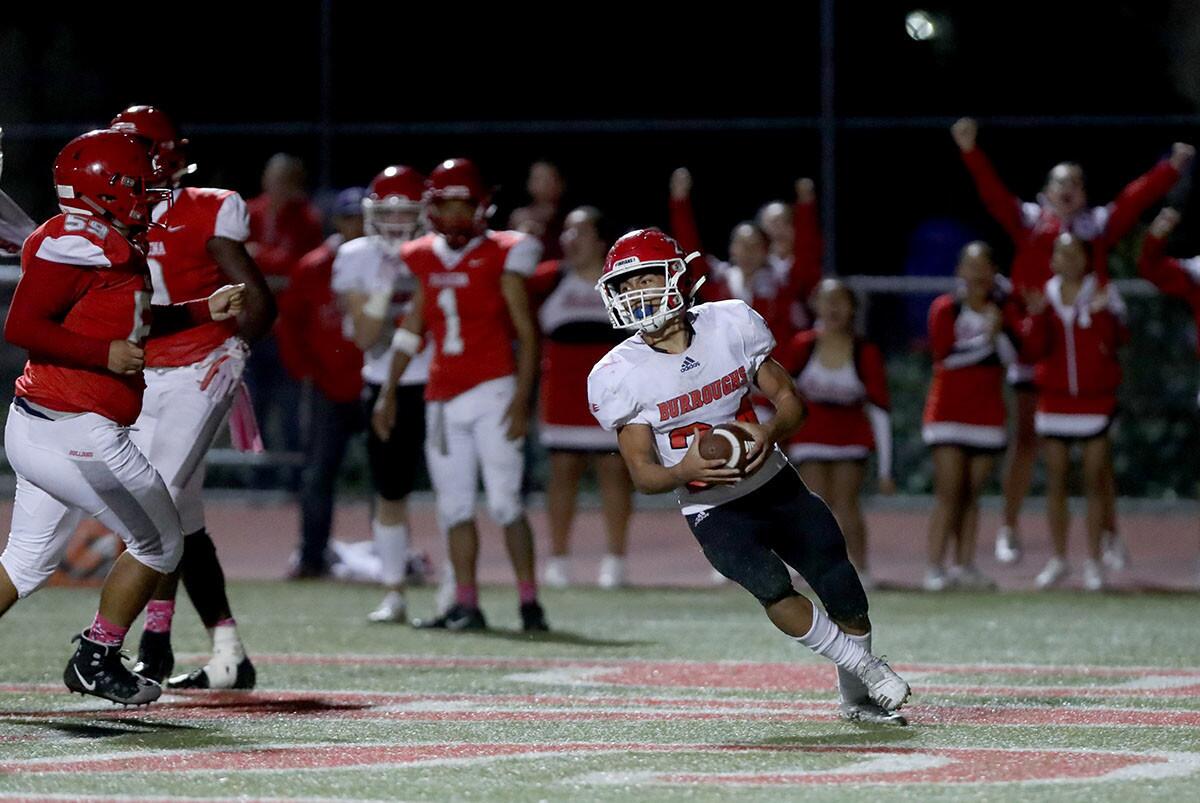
<point>467,596</point>
<point>527,592</point>
<point>159,613</point>
<point>230,622</point>
<point>105,632</point>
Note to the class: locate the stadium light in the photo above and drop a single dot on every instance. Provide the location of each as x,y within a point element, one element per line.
<point>920,26</point>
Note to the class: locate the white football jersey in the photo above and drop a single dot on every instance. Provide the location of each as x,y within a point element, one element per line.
<point>682,395</point>
<point>362,266</point>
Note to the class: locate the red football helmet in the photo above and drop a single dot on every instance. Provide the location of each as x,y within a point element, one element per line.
<point>646,309</point>
<point>458,179</point>
<point>169,151</point>
<point>394,208</point>
<point>108,173</point>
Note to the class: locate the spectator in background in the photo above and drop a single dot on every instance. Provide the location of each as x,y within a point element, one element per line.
<point>972,336</point>
<point>843,382</point>
<point>1071,333</point>
<point>310,314</point>
<point>775,288</point>
<point>576,333</point>
<point>543,217</point>
<point>284,226</point>
<point>1062,206</point>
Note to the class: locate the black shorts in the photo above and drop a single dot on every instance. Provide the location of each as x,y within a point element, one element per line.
<point>752,541</point>
<point>397,462</point>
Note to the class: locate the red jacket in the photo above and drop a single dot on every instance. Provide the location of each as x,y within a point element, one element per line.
<point>310,323</point>
<point>1075,350</point>
<point>1034,226</point>
<point>1179,278</point>
<point>968,367</point>
<point>278,238</point>
<point>772,296</point>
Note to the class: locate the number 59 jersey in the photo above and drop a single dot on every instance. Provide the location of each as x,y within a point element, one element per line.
<point>464,308</point>
<point>680,396</point>
<point>79,272</point>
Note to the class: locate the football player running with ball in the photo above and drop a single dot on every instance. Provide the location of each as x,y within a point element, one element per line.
<point>687,369</point>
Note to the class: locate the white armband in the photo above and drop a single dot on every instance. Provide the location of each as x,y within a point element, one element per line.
<point>378,304</point>
<point>406,342</point>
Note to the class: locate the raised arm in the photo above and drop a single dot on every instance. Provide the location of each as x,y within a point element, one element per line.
<point>1164,272</point>
<point>1001,203</point>
<point>1145,191</point>
<point>807,248</point>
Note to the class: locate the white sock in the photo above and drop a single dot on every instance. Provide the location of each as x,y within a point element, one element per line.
<point>850,688</point>
<point>825,638</point>
<point>393,599</point>
<point>391,542</point>
<point>226,644</point>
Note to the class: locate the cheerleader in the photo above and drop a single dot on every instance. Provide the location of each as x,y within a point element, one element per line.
<point>576,333</point>
<point>842,380</point>
<point>971,333</point>
<point>1071,333</point>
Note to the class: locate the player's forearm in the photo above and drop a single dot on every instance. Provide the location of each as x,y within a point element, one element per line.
<point>258,313</point>
<point>47,340</point>
<point>652,478</point>
<point>789,415</point>
<point>527,360</point>
<point>368,331</point>
<point>170,318</point>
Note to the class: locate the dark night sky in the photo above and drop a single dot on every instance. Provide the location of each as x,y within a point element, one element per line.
<point>245,63</point>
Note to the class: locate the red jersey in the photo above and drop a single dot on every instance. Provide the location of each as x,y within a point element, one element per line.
<point>777,291</point>
<point>1075,350</point>
<point>82,286</point>
<point>464,309</point>
<point>576,334</point>
<point>281,236</point>
<point>181,268</point>
<point>310,314</point>
<point>1033,227</point>
<point>968,363</point>
<point>1175,277</point>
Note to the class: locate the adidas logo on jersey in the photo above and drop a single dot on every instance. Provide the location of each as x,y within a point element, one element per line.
<point>688,364</point>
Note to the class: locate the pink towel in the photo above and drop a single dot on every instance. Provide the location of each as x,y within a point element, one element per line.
<point>243,426</point>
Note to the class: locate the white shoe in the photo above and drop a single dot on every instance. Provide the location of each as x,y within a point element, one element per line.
<point>1093,575</point>
<point>1115,553</point>
<point>612,572</point>
<point>935,579</point>
<point>885,687</point>
<point>868,712</point>
<point>1008,548</point>
<point>716,578</point>
<point>970,578</point>
<point>1055,571</point>
<point>557,573</point>
<point>446,597</point>
<point>391,610</point>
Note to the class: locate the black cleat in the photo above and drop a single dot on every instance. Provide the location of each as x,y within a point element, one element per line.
<point>458,617</point>
<point>96,669</point>
<point>219,676</point>
<point>155,658</point>
<point>533,618</point>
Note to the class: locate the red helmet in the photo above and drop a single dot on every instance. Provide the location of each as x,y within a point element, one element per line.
<point>169,151</point>
<point>108,173</point>
<point>458,179</point>
<point>649,308</point>
<point>394,208</point>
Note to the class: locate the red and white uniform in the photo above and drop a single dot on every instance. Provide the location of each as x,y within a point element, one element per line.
<point>471,377</point>
<point>179,420</point>
<point>848,406</point>
<point>1175,277</point>
<point>1033,227</point>
<point>576,334</point>
<point>1074,349</point>
<point>364,266</point>
<point>777,292</point>
<point>682,395</point>
<point>965,406</point>
<point>82,286</point>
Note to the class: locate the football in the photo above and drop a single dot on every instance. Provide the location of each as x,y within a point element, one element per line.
<point>728,442</point>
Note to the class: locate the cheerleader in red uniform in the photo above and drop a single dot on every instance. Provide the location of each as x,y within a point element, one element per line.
<point>576,333</point>
<point>1071,333</point>
<point>971,333</point>
<point>1062,206</point>
<point>842,380</point>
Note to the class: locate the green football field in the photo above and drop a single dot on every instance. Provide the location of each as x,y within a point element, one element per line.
<point>637,695</point>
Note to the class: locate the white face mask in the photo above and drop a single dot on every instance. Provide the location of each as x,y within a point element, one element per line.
<point>645,309</point>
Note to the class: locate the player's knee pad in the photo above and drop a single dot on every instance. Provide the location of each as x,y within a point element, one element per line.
<point>165,558</point>
<point>27,572</point>
<point>841,592</point>
<point>506,511</point>
<point>452,513</point>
